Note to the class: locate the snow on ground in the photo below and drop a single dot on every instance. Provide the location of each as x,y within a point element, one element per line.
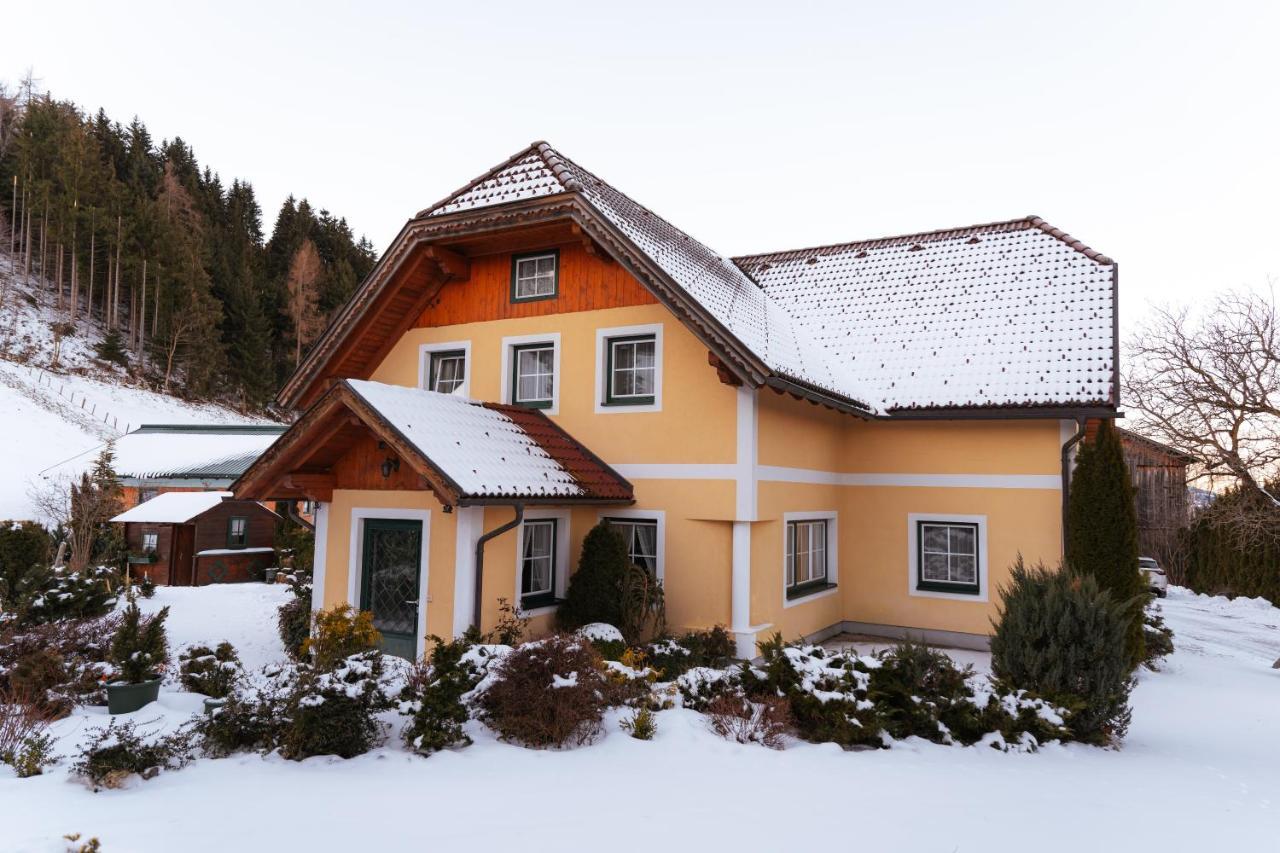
<point>1198,772</point>
<point>67,413</point>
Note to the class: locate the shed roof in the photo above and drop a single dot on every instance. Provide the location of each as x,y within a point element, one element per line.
<point>192,452</point>
<point>173,507</point>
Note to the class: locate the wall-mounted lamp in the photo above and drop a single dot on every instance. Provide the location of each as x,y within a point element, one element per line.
<point>389,466</point>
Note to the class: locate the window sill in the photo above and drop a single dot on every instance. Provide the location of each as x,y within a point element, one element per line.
<point>630,402</point>
<point>537,404</point>
<point>518,299</point>
<point>800,593</point>
<point>950,589</point>
<point>539,606</point>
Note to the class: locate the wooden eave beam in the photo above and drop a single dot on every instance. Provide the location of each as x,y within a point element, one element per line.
<point>592,248</point>
<point>453,266</point>
<point>317,487</point>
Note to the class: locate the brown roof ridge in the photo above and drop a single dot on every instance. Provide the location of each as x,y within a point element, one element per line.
<point>1021,223</point>
<point>532,148</point>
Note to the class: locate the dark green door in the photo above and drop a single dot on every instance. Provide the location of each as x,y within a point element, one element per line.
<point>389,581</point>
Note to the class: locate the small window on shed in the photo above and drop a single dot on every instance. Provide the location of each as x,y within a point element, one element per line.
<point>237,532</point>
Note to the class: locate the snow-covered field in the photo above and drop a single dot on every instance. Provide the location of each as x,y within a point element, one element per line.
<point>1200,771</point>
<point>68,413</point>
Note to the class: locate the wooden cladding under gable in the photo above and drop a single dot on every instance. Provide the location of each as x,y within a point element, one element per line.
<point>586,283</point>
<point>360,467</point>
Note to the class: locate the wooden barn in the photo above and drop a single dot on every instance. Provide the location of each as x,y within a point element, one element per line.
<point>1159,474</point>
<point>197,538</point>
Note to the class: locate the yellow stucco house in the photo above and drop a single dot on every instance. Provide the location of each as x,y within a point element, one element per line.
<point>858,437</point>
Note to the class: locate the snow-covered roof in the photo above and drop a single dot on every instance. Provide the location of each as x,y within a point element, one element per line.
<point>1009,314</point>
<point>1012,314</point>
<point>173,507</point>
<point>191,452</point>
<point>489,450</point>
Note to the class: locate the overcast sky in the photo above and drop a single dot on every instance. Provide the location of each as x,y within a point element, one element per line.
<point>1147,130</point>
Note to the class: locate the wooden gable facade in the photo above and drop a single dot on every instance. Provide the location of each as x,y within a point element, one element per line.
<point>200,551</point>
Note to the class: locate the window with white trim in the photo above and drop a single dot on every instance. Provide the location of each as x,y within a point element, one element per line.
<point>538,563</point>
<point>948,557</point>
<point>641,536</point>
<point>447,371</point>
<point>806,556</point>
<point>631,370</point>
<point>533,375</point>
<point>534,276</point>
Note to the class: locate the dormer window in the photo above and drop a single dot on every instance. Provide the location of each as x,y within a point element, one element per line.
<point>535,276</point>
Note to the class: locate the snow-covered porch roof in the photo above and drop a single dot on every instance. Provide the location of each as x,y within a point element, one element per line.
<point>174,507</point>
<point>464,451</point>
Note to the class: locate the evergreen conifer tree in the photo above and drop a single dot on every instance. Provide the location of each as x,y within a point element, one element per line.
<point>595,590</point>
<point>1102,527</point>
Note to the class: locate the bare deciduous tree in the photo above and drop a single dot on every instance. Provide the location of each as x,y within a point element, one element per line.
<point>1208,383</point>
<point>304,271</point>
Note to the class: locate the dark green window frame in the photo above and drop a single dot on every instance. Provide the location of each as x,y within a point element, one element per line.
<point>627,400</point>
<point>554,254</point>
<point>439,356</point>
<point>631,524</point>
<point>810,585</point>
<point>242,540</point>
<point>955,587</point>
<point>515,375</point>
<point>543,598</point>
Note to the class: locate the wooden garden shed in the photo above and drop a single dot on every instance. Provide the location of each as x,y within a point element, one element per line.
<point>197,538</point>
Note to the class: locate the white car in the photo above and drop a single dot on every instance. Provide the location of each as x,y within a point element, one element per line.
<point>1155,576</point>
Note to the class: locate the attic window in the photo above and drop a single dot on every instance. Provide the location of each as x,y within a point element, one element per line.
<point>535,276</point>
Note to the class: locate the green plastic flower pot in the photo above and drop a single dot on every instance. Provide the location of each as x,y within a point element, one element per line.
<point>127,698</point>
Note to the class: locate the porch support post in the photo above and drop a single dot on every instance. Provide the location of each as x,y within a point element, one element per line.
<point>319,556</point>
<point>470,524</point>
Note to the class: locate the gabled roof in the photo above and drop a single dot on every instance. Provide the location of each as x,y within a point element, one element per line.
<point>173,507</point>
<point>191,452</point>
<point>1009,314</point>
<point>467,452</point>
<point>713,282</point>
<point>1159,448</point>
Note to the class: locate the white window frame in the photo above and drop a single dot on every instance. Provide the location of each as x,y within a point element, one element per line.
<point>508,365</point>
<point>658,515</point>
<point>913,555</point>
<point>154,546</point>
<point>832,518</point>
<point>535,257</point>
<point>602,368</point>
<point>561,579</point>
<point>424,362</point>
<point>355,558</point>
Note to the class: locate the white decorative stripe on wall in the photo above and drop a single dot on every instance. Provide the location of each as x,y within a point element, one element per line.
<point>780,474</point>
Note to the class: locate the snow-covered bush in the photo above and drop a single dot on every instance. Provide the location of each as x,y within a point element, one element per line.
<point>253,718</point>
<point>31,757</point>
<point>54,594</point>
<point>434,696</point>
<point>333,711</point>
<point>549,693</point>
<point>673,657</point>
<point>1063,639</point>
<point>338,633</point>
<point>641,725</point>
<point>606,639</point>
<point>212,672</point>
<point>74,652</point>
<point>293,619</point>
<point>24,744</point>
<point>827,692</point>
<point>764,720</point>
<point>111,755</point>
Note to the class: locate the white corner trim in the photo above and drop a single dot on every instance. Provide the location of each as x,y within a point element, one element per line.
<point>562,517</point>
<point>508,342</point>
<point>424,362</point>
<point>913,556</point>
<point>319,555</point>
<point>358,516</point>
<point>833,555</point>
<point>602,362</point>
<point>470,521</point>
<point>657,515</point>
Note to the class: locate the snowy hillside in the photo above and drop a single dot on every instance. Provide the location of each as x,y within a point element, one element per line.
<point>58,401</point>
